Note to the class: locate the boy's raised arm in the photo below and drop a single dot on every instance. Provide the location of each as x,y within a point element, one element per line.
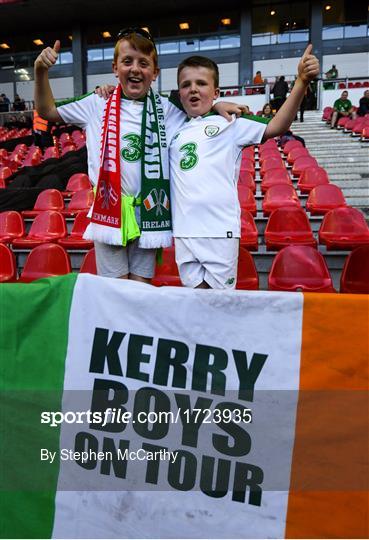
<point>307,70</point>
<point>44,99</point>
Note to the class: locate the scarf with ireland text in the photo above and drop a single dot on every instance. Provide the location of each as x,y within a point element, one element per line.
<point>106,219</point>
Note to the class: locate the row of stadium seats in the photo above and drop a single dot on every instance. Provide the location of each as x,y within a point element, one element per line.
<point>52,199</point>
<point>7,134</point>
<point>343,228</point>
<point>24,156</point>
<point>357,84</point>
<point>294,268</point>
<point>359,127</point>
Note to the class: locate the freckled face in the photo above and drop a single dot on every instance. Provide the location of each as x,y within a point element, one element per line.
<point>135,71</point>
<point>197,90</point>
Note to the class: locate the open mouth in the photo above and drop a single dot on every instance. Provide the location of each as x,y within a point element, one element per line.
<point>194,100</point>
<point>134,80</point>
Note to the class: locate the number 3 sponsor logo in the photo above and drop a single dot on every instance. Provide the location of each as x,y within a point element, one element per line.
<point>190,158</point>
<point>132,150</point>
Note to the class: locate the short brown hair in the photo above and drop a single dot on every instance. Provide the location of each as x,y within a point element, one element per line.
<point>200,61</point>
<point>138,43</point>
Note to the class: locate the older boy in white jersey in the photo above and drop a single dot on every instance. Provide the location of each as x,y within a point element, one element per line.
<point>205,157</point>
<point>127,156</point>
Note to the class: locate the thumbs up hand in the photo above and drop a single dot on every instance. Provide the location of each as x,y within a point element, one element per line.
<point>308,67</point>
<point>48,56</point>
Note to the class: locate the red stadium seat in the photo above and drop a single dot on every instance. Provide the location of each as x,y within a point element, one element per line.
<point>291,144</point>
<point>288,226</point>
<point>5,172</point>
<point>68,148</point>
<point>312,177</point>
<point>247,199</point>
<point>271,163</point>
<point>268,149</point>
<point>269,153</point>
<point>88,265</point>
<point>48,226</point>
<point>47,260</point>
<point>8,268</point>
<point>77,182</point>
<point>32,160</point>
<point>51,153</point>
<point>80,144</point>
<point>11,226</point>
<point>302,163</point>
<point>358,126</point>
<point>22,148</point>
<point>296,153</point>
<point>279,196</point>
<point>249,232</point>
<point>49,199</point>
<point>365,134</point>
<point>65,139</point>
<point>355,273</point>
<point>247,276</point>
<point>327,113</point>
<point>274,177</point>
<point>344,228</point>
<point>270,143</point>
<point>249,153</point>
<point>349,125</point>
<point>247,179</point>
<point>75,240</point>
<point>324,198</point>
<point>248,165</point>
<point>81,201</point>
<point>342,122</point>
<point>302,268</point>
<point>166,274</point>
<point>341,85</point>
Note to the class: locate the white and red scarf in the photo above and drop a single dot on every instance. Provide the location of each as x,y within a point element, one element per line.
<point>106,219</point>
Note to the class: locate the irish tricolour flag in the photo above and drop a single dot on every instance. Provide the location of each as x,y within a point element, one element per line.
<point>129,411</point>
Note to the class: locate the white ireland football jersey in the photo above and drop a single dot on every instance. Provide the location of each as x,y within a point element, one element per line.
<point>205,159</point>
<point>88,113</point>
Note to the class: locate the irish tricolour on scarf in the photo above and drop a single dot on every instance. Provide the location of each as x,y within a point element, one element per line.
<point>106,219</point>
<point>257,401</point>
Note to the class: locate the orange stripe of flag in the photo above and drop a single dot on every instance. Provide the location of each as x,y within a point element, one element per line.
<point>329,478</point>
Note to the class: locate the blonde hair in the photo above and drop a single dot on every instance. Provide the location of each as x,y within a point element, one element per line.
<point>138,43</point>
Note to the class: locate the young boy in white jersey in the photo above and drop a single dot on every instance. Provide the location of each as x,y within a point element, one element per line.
<point>127,156</point>
<point>205,157</point>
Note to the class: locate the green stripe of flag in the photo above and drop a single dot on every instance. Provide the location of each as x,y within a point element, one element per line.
<point>34,322</point>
